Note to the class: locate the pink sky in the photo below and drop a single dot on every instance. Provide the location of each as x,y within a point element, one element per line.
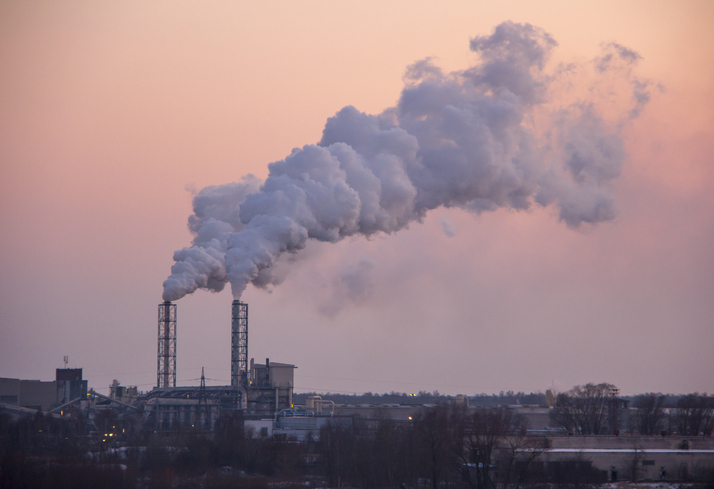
<point>110,112</point>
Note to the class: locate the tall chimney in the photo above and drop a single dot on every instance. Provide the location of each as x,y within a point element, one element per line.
<point>166,362</point>
<point>239,344</point>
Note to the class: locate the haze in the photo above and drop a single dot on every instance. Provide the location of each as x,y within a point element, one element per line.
<point>112,116</point>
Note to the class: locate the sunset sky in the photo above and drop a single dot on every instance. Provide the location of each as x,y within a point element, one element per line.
<point>114,114</point>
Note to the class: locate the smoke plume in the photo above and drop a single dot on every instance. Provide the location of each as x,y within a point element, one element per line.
<point>488,137</point>
<point>352,285</point>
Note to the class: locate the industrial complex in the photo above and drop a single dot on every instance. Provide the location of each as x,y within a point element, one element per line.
<point>262,395</point>
<point>258,390</point>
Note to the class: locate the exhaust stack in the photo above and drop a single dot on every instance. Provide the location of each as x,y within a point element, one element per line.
<point>239,344</point>
<point>166,363</point>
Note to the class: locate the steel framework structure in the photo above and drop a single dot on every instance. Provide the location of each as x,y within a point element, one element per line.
<point>239,345</point>
<point>166,363</point>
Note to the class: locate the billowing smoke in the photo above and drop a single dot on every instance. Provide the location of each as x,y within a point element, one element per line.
<point>488,137</point>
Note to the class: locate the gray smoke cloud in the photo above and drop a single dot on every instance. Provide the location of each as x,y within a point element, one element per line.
<point>462,139</point>
<point>353,285</point>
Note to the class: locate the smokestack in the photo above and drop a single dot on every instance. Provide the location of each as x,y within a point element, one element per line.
<point>166,362</point>
<point>239,344</point>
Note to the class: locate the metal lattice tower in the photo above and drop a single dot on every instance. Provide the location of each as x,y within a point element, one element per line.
<point>203,420</point>
<point>166,363</point>
<point>239,344</point>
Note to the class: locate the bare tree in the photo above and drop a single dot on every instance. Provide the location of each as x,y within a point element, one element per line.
<point>695,414</point>
<point>434,434</point>
<point>483,435</point>
<point>649,413</point>
<point>492,449</point>
<point>583,408</point>
<point>517,454</point>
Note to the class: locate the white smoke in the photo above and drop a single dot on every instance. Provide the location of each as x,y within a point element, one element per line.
<point>447,227</point>
<point>215,218</point>
<point>463,139</point>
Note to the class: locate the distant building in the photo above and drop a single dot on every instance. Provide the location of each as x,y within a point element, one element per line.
<point>271,387</point>
<point>70,385</point>
<point>32,394</point>
<point>166,414</point>
<point>123,393</point>
<point>635,457</point>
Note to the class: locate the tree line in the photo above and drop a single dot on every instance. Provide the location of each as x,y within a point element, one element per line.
<point>446,445</point>
<point>689,415</point>
<point>596,409</point>
<point>423,397</point>
<point>441,447</point>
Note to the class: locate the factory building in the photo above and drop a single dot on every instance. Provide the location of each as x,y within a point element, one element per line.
<point>169,414</point>
<point>296,424</point>
<point>270,388</point>
<point>262,389</point>
<point>256,391</point>
<point>31,394</point>
<point>123,393</point>
<point>633,457</point>
<point>70,385</point>
<point>43,395</point>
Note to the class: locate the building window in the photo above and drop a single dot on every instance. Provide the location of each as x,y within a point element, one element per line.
<point>648,462</point>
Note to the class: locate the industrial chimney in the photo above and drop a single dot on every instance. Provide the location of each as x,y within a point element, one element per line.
<point>166,363</point>
<point>239,345</point>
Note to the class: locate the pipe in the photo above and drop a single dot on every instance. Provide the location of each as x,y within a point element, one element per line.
<point>91,391</point>
<point>332,403</point>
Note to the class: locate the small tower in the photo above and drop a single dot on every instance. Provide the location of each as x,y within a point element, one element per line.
<point>166,358</point>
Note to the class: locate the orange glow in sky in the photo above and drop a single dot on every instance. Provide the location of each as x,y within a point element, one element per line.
<point>113,114</point>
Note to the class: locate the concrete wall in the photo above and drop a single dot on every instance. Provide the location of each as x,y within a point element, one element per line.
<point>302,427</point>
<point>261,428</point>
<point>384,411</point>
<point>632,441</point>
<point>537,418</point>
<point>281,375</point>
<point>38,394</point>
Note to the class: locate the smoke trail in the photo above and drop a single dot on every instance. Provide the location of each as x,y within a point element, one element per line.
<point>353,284</point>
<point>465,139</point>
